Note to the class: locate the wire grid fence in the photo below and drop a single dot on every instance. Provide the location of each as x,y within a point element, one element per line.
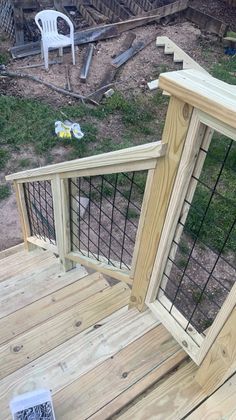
<point>104,212</point>
<point>39,204</point>
<point>6,18</point>
<point>201,267</point>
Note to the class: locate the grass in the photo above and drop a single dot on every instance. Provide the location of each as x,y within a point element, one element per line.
<point>5,191</point>
<point>4,156</point>
<point>225,70</point>
<point>220,209</point>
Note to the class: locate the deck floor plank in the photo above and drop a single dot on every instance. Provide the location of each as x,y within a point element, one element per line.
<point>45,308</point>
<point>220,405</point>
<point>41,339</point>
<point>113,378</point>
<point>77,356</point>
<point>29,287</point>
<point>173,399</point>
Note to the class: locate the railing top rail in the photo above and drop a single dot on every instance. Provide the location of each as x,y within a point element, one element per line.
<point>134,154</point>
<point>204,92</point>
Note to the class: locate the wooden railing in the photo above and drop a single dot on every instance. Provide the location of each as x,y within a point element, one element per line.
<point>199,106</point>
<point>70,208</point>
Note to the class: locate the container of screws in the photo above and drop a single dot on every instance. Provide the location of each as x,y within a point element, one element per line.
<point>36,405</point>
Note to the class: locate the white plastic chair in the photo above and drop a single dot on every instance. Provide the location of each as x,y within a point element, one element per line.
<point>50,36</point>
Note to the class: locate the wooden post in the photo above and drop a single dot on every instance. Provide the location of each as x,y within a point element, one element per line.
<point>25,226</point>
<point>60,192</point>
<point>175,132</point>
<point>220,362</point>
<point>19,25</point>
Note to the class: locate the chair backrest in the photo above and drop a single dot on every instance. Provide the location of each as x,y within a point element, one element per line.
<point>48,20</point>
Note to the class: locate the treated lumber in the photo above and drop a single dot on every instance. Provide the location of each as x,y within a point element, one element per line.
<point>173,399</point>
<point>206,22</point>
<point>220,405</point>
<point>212,96</point>
<point>174,135</point>
<point>42,338</point>
<point>156,350</point>
<point>49,306</point>
<point>24,289</point>
<point>107,31</point>
<point>86,63</point>
<point>66,363</point>
<point>11,251</point>
<point>24,263</point>
<point>22,210</point>
<point>129,155</point>
<point>179,56</point>
<point>101,266</point>
<point>61,213</point>
<point>220,362</point>
<point>42,243</point>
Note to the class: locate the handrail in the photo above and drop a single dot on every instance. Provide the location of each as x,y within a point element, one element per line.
<point>136,154</point>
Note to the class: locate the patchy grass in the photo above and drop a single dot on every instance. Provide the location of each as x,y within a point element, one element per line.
<point>25,122</point>
<point>218,210</point>
<point>4,156</point>
<point>225,70</point>
<point>5,191</point>
<point>4,57</point>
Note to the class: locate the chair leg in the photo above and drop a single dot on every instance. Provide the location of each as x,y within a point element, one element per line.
<point>73,53</point>
<point>61,52</point>
<point>45,53</point>
<point>42,51</point>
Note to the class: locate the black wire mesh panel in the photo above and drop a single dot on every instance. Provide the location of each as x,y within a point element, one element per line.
<point>201,267</point>
<point>105,213</point>
<point>39,204</point>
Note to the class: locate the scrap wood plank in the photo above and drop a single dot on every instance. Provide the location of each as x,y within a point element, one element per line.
<point>206,22</point>
<point>130,53</point>
<point>102,8</point>
<point>126,55</point>
<point>111,71</point>
<point>65,325</point>
<point>77,356</point>
<point>173,399</point>
<point>116,8</point>
<point>106,31</point>
<point>220,405</point>
<point>86,63</point>
<point>23,290</point>
<point>120,378</point>
<point>48,306</point>
<point>133,7</point>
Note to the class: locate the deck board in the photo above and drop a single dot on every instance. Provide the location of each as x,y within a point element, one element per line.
<point>41,339</point>
<point>72,333</point>
<point>45,308</point>
<point>115,376</point>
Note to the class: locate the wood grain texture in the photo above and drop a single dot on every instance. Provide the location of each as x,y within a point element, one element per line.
<point>220,405</point>
<point>11,251</point>
<point>131,154</point>
<point>33,283</point>
<point>174,135</point>
<point>172,399</point>
<point>44,244</point>
<point>72,359</point>
<point>32,344</point>
<point>47,307</point>
<point>21,205</point>
<point>220,362</point>
<point>101,267</point>
<point>60,196</point>
<point>115,376</point>
<point>204,92</point>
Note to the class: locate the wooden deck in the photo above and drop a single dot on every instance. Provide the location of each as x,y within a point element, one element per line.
<point>73,334</point>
